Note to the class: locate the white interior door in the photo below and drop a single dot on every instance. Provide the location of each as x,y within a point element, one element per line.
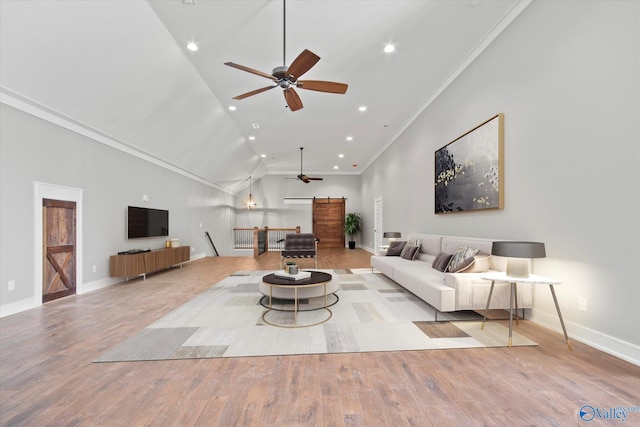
<point>377,224</point>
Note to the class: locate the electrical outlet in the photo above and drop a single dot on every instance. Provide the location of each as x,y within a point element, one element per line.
<point>582,304</point>
<point>11,285</point>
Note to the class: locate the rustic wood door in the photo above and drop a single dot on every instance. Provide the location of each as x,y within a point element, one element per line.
<point>59,239</point>
<point>328,222</point>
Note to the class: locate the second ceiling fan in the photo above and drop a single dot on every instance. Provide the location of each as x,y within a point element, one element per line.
<point>305,178</point>
<point>287,77</point>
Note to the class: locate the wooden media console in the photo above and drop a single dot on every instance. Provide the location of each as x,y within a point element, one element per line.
<point>142,263</point>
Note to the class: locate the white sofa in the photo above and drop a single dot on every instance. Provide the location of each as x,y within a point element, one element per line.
<point>446,291</point>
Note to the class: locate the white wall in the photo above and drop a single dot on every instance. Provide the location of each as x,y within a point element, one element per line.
<point>567,77</point>
<point>32,149</point>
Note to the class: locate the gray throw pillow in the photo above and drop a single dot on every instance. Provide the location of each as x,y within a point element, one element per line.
<point>409,252</point>
<point>395,248</point>
<point>441,261</point>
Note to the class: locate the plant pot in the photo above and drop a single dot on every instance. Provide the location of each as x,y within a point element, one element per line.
<point>352,244</point>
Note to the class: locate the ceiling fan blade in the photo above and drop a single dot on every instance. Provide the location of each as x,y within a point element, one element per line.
<point>315,179</point>
<point>302,64</point>
<point>322,86</point>
<point>251,70</point>
<point>254,92</point>
<point>292,98</point>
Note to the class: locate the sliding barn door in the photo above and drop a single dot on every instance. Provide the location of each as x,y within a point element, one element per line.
<point>59,239</point>
<point>328,222</point>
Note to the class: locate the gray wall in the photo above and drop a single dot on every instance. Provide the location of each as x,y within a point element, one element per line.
<point>32,149</point>
<point>566,76</point>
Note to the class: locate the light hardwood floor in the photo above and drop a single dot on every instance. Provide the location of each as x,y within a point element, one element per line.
<point>47,376</point>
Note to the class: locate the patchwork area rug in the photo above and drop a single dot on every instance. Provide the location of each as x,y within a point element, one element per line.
<point>370,313</point>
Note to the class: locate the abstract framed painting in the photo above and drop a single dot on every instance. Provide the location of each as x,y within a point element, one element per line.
<point>469,171</point>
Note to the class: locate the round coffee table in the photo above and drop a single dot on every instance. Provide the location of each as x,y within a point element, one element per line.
<point>317,279</point>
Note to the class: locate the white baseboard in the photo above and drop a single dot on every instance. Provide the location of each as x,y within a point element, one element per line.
<point>97,284</point>
<point>29,303</point>
<point>197,256</point>
<point>614,346</point>
<point>17,307</point>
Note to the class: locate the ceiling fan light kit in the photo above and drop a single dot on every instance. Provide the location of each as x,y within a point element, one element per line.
<point>287,77</point>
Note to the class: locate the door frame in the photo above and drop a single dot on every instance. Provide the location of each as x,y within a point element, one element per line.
<point>377,221</point>
<point>57,192</point>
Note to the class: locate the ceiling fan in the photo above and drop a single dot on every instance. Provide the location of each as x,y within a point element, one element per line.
<point>287,77</point>
<point>302,177</point>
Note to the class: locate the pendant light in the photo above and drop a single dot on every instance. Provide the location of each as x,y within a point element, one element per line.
<point>251,203</point>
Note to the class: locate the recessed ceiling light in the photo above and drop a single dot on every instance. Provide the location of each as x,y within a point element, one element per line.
<point>389,48</point>
<point>263,155</point>
<point>252,138</point>
<point>362,108</point>
<point>232,108</point>
<point>349,138</point>
<point>255,126</point>
<point>192,46</point>
<point>341,155</point>
<point>336,167</point>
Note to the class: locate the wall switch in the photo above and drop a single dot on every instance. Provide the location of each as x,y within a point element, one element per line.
<point>11,285</point>
<point>582,304</point>
<point>94,268</point>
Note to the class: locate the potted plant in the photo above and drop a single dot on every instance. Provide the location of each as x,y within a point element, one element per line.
<point>352,225</point>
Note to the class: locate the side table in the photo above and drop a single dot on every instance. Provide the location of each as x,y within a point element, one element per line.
<point>534,280</point>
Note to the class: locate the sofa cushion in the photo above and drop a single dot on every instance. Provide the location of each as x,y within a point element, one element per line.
<point>395,248</point>
<point>441,261</point>
<point>480,263</point>
<point>462,254</point>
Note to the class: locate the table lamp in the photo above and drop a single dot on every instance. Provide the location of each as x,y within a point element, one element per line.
<point>391,235</point>
<point>518,254</point>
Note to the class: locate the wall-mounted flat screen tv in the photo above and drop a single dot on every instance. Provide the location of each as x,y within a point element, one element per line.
<point>145,222</point>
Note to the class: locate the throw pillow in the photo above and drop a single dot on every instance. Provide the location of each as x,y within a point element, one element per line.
<point>409,252</point>
<point>441,261</point>
<point>395,248</point>
<point>416,243</point>
<point>465,264</point>
<point>480,264</point>
<point>459,256</point>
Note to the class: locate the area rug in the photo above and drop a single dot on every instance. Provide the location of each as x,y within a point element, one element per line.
<point>369,313</point>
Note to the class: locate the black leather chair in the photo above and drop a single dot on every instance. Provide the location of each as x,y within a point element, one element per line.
<point>299,245</point>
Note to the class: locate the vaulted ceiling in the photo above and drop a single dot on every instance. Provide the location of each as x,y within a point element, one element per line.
<point>121,70</point>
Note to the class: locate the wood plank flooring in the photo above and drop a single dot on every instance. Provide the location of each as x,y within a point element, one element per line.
<point>47,376</point>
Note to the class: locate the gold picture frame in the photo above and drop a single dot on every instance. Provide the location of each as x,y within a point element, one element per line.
<point>469,171</point>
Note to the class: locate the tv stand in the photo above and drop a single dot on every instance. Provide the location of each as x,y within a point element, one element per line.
<point>134,264</point>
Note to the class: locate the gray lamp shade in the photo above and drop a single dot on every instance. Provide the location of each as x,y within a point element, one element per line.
<point>391,234</point>
<point>518,249</point>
